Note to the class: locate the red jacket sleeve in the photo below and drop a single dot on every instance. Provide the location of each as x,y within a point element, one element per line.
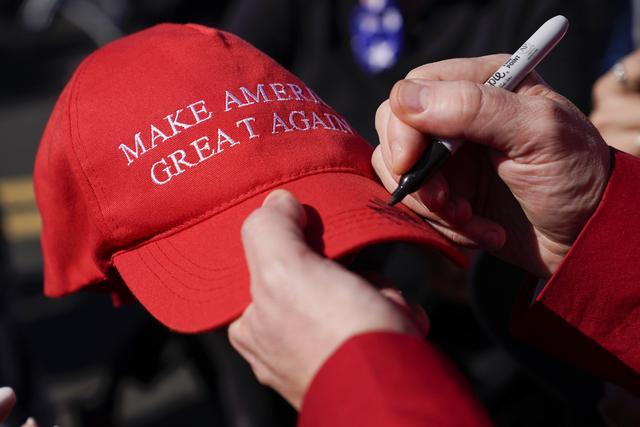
<point>386,379</point>
<point>588,314</point>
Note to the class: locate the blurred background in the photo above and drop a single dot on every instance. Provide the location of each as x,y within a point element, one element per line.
<point>77,361</point>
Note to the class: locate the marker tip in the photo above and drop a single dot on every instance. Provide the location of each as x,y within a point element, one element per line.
<point>395,198</point>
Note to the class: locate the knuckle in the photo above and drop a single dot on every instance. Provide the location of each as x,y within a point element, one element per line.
<point>297,266</point>
<point>501,58</point>
<point>539,90</point>
<point>262,374</point>
<point>471,100</point>
<point>547,110</point>
<point>548,118</point>
<point>254,223</point>
<point>418,72</point>
<point>492,61</point>
<point>381,120</point>
<point>236,335</point>
<point>560,122</point>
<point>232,332</point>
<point>275,273</point>
<point>376,155</point>
<point>377,161</point>
<point>381,112</point>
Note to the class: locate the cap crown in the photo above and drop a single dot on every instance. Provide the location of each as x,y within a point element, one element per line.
<point>165,128</point>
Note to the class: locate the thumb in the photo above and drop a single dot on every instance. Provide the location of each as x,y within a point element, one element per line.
<point>275,229</point>
<point>273,236</point>
<point>464,110</point>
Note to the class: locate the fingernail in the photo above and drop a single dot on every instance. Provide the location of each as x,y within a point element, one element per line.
<point>412,96</point>
<point>275,197</point>
<point>493,239</point>
<point>30,423</point>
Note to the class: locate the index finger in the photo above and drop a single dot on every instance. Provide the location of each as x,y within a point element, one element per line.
<point>406,142</point>
<point>475,70</point>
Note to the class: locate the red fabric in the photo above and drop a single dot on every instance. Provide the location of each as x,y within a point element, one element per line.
<point>186,285</point>
<point>588,314</point>
<point>160,146</point>
<point>385,379</point>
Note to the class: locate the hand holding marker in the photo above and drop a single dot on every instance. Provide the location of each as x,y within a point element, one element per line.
<point>507,77</point>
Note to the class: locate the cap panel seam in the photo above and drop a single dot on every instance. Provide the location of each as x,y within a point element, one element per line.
<point>74,124</point>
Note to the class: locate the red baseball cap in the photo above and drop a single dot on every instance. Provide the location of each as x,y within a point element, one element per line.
<point>160,146</point>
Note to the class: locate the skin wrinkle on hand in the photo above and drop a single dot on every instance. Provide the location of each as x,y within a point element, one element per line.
<point>540,149</point>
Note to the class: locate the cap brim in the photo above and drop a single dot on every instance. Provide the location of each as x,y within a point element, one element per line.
<point>196,279</point>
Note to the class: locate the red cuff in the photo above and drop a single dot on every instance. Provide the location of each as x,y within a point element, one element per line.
<point>387,379</point>
<point>589,312</point>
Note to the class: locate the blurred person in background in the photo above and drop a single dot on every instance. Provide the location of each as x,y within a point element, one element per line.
<point>616,95</point>
<point>616,102</point>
